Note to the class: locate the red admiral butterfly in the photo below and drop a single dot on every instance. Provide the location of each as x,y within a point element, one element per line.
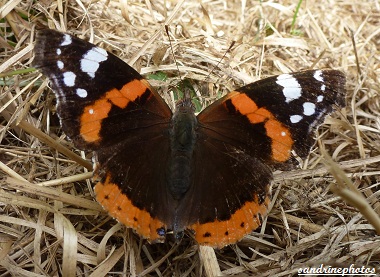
<point>161,171</point>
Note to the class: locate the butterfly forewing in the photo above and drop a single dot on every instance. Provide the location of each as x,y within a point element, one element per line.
<point>100,97</point>
<point>276,115</point>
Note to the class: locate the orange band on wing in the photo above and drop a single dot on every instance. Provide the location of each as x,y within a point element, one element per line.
<point>221,233</point>
<point>282,141</point>
<point>93,115</point>
<point>134,89</point>
<point>91,119</point>
<point>120,207</point>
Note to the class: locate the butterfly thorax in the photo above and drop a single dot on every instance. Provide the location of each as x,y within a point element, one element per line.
<point>182,142</point>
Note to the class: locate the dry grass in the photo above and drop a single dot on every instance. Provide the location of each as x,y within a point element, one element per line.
<point>49,223</point>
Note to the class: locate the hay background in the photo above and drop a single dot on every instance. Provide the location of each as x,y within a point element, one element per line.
<point>49,222</point>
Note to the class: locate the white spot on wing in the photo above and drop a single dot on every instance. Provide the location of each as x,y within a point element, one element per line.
<point>91,111</point>
<point>308,108</point>
<point>60,64</point>
<point>292,89</point>
<point>283,134</point>
<point>82,93</point>
<point>320,98</point>
<point>59,51</point>
<point>66,40</point>
<point>90,67</point>
<point>318,75</point>
<point>90,61</point>
<point>295,118</point>
<point>69,78</point>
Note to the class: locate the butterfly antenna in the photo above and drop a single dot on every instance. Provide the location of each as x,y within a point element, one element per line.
<point>186,92</point>
<point>221,59</point>
<point>171,47</point>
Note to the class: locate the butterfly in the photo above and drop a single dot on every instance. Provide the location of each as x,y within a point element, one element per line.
<point>161,171</point>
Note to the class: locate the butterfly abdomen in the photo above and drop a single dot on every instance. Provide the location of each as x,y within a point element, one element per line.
<point>182,143</point>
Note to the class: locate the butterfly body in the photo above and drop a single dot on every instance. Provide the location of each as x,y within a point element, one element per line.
<point>161,171</point>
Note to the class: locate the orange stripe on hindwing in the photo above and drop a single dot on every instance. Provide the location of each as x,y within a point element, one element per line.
<point>120,207</point>
<point>282,141</point>
<point>243,221</point>
<point>93,115</point>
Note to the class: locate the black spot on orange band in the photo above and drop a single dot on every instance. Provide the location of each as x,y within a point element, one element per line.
<point>243,221</point>
<point>120,207</point>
